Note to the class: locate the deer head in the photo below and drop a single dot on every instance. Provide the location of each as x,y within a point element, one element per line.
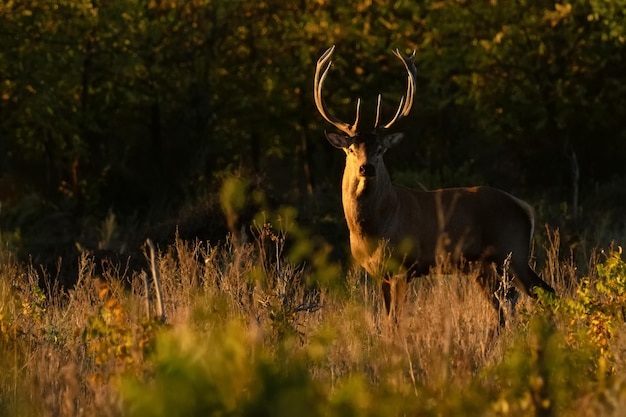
<point>364,148</point>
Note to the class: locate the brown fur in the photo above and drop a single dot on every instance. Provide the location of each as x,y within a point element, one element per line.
<point>400,232</point>
<point>397,233</point>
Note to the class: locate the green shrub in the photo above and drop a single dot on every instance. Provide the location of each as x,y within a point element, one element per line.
<point>223,373</point>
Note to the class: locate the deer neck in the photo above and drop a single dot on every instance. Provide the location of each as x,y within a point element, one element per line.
<point>368,203</point>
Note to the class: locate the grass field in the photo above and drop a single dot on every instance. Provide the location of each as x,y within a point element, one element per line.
<point>248,332</point>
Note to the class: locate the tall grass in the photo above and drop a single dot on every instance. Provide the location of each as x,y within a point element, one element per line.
<point>249,332</point>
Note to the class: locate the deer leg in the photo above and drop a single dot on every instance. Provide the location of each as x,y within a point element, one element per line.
<point>394,293</point>
<point>500,295</point>
<point>386,287</point>
<point>529,280</point>
<point>400,294</point>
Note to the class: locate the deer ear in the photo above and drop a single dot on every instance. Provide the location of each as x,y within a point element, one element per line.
<point>392,140</point>
<point>338,140</point>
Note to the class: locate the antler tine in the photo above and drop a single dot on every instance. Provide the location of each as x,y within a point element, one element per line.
<point>377,111</point>
<point>406,102</point>
<point>356,120</point>
<point>397,115</point>
<point>409,64</point>
<point>319,100</point>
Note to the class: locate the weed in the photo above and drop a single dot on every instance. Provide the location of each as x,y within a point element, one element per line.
<point>260,328</point>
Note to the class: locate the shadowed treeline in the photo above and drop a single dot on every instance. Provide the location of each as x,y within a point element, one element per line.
<point>141,109</point>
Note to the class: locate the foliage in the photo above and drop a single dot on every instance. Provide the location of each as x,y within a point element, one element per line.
<point>112,342</point>
<point>598,310</point>
<point>543,371</point>
<point>231,375</point>
<point>119,117</point>
<point>250,332</point>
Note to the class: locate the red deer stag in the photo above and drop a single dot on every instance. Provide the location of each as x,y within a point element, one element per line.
<point>397,233</point>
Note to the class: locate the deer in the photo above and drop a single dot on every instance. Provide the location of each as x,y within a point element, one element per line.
<point>398,233</point>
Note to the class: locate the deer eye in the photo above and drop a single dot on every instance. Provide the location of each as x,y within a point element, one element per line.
<point>379,150</point>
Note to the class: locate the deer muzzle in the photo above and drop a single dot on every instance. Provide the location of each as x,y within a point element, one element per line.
<point>367,170</point>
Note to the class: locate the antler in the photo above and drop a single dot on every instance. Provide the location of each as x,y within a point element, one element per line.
<point>406,102</point>
<point>350,130</point>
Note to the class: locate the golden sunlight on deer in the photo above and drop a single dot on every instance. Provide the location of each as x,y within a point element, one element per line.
<point>397,233</point>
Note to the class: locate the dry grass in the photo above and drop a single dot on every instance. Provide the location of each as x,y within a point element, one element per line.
<point>69,354</point>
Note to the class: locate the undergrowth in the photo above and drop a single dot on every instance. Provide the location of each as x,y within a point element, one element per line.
<point>264,328</point>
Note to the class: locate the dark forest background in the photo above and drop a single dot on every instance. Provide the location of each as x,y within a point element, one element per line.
<point>127,119</point>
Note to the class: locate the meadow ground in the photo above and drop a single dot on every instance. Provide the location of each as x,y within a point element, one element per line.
<point>248,332</point>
